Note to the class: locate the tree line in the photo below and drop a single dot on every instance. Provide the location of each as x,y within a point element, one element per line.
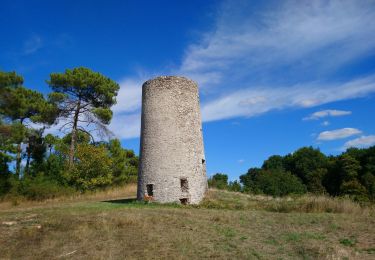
<point>352,174</point>
<point>38,165</point>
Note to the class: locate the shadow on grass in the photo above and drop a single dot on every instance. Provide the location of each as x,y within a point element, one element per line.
<point>133,202</point>
<point>121,201</point>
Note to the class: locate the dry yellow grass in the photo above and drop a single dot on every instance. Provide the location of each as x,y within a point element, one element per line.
<point>306,204</point>
<point>226,226</point>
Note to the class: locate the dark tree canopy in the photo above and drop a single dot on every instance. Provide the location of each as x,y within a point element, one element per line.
<point>351,173</point>
<point>274,162</point>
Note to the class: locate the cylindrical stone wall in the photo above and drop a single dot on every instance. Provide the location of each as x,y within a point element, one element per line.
<point>172,162</point>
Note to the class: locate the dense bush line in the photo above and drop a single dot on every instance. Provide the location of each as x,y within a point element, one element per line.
<point>96,166</point>
<point>351,174</point>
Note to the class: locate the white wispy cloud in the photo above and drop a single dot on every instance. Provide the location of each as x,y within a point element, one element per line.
<point>258,58</point>
<point>325,123</point>
<point>32,44</point>
<point>327,113</point>
<point>126,121</point>
<point>246,102</point>
<point>125,126</point>
<point>129,96</point>
<point>360,142</point>
<point>254,101</point>
<point>252,42</point>
<point>338,134</point>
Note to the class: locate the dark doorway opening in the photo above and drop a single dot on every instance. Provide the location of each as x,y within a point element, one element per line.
<point>184,185</point>
<point>184,201</point>
<point>150,189</point>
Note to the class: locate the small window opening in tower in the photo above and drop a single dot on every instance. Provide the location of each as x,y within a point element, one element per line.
<point>203,161</point>
<point>150,189</point>
<point>184,201</point>
<point>184,185</point>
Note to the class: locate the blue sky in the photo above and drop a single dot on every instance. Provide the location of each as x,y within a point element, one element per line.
<point>273,75</point>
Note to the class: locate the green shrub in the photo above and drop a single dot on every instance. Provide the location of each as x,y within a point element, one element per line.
<point>40,188</point>
<point>354,190</point>
<point>93,168</point>
<point>5,183</point>
<point>218,181</point>
<point>278,183</point>
<point>124,163</point>
<point>234,186</point>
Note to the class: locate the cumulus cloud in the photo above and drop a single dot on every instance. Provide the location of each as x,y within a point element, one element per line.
<point>338,134</point>
<point>361,142</point>
<point>327,113</point>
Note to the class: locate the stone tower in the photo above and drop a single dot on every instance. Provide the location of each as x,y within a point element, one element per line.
<point>172,163</point>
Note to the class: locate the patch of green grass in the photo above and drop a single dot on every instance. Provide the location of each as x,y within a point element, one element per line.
<point>348,241</point>
<point>243,238</point>
<point>334,226</point>
<point>227,232</point>
<point>254,254</point>
<point>297,237</point>
<point>306,252</point>
<point>272,241</point>
<point>370,250</point>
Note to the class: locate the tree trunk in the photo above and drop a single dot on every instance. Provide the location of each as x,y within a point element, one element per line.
<point>28,159</point>
<point>74,134</point>
<point>18,160</point>
<point>18,157</point>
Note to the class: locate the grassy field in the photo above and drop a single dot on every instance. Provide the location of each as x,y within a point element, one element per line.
<point>111,225</point>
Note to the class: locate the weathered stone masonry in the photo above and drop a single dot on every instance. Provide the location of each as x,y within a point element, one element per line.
<point>172,163</point>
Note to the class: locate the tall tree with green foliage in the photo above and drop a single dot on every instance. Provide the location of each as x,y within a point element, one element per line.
<point>36,149</point>
<point>5,146</point>
<point>349,167</point>
<point>309,165</point>
<point>125,163</point>
<point>84,97</point>
<point>219,181</point>
<point>19,104</point>
<point>349,171</point>
<point>274,162</point>
<point>249,178</point>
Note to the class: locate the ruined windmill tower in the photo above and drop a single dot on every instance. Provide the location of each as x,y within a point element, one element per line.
<point>172,163</point>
